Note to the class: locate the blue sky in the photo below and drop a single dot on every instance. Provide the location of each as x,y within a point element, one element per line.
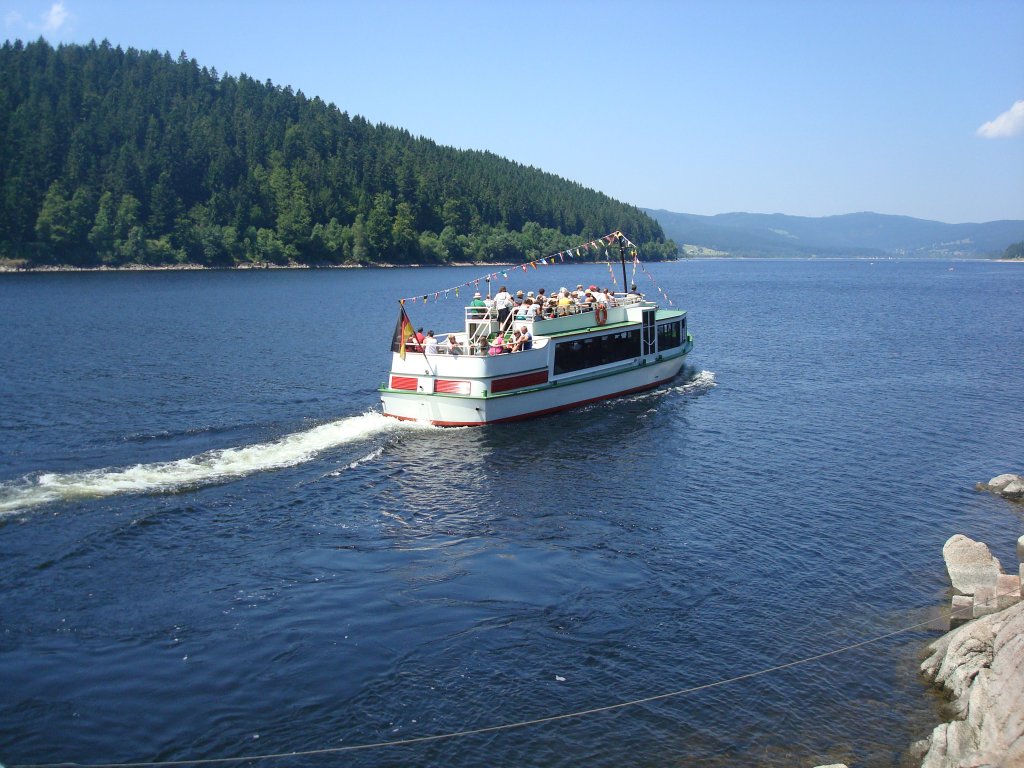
<point>805,108</point>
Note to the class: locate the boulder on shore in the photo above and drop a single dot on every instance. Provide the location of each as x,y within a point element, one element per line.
<point>970,564</point>
<point>1008,486</point>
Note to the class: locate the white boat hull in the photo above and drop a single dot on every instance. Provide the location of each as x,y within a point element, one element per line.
<point>577,358</point>
<point>456,410</point>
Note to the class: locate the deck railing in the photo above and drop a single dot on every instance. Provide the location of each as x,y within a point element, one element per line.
<point>476,314</point>
<point>482,323</point>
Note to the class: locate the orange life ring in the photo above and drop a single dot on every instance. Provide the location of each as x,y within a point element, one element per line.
<point>601,314</point>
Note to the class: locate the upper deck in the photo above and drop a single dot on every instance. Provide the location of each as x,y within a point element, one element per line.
<point>470,356</point>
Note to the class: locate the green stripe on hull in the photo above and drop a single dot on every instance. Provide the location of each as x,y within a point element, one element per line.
<point>685,350</point>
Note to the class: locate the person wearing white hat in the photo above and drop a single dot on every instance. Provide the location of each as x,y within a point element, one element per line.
<point>478,306</point>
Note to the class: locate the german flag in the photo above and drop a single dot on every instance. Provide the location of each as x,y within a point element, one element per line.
<point>403,332</point>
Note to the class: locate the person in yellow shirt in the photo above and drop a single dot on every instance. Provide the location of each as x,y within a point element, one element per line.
<point>564,302</point>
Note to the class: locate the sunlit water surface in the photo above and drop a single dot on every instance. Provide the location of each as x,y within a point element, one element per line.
<point>214,546</point>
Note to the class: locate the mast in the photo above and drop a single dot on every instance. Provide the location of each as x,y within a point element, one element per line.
<point>622,258</point>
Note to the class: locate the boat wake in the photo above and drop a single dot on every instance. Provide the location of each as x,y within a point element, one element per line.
<point>196,471</point>
<point>697,384</point>
<point>701,382</point>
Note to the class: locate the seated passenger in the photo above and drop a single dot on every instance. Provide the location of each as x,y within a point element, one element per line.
<point>525,340</point>
<point>497,345</point>
<point>430,344</point>
<point>527,310</point>
<point>452,344</point>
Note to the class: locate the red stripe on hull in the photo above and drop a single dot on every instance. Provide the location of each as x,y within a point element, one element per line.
<point>451,387</point>
<point>404,382</point>
<point>518,382</point>
<point>543,412</point>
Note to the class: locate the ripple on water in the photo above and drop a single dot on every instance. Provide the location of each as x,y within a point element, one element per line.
<point>245,551</point>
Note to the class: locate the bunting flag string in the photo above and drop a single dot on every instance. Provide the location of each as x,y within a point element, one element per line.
<point>578,251</point>
<point>660,289</point>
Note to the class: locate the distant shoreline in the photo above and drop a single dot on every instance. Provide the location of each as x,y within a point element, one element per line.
<point>8,269</point>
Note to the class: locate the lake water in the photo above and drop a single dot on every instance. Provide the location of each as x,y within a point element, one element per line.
<point>213,546</point>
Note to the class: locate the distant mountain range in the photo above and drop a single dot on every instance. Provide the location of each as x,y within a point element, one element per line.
<point>854,234</point>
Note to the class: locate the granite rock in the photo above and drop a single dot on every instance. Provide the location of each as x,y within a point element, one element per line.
<point>996,484</point>
<point>982,665</point>
<point>1008,486</point>
<point>970,564</point>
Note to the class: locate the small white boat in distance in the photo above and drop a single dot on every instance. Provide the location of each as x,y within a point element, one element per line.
<point>573,355</point>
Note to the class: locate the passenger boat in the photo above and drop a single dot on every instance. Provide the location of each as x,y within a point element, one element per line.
<point>578,354</point>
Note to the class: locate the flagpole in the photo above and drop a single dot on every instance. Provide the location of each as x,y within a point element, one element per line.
<point>622,258</point>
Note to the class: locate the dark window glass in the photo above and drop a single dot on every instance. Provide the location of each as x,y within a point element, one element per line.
<point>596,350</point>
<point>670,335</point>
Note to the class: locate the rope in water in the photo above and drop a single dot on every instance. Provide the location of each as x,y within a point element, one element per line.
<point>503,726</point>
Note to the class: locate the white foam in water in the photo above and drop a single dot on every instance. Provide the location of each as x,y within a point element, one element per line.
<point>202,469</point>
<point>226,463</point>
<point>375,454</point>
<point>702,381</point>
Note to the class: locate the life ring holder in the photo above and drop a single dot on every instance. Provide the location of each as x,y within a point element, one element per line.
<point>601,314</point>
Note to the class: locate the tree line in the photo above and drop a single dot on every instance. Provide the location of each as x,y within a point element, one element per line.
<point>115,157</point>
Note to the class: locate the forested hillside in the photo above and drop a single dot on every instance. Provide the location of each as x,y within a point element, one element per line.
<point>114,156</point>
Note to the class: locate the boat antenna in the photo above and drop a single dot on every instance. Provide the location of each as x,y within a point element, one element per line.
<point>622,258</point>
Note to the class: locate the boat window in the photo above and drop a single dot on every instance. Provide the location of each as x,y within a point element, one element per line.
<point>670,335</point>
<point>578,354</point>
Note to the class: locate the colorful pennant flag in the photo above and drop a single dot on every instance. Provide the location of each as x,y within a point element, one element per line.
<point>577,251</point>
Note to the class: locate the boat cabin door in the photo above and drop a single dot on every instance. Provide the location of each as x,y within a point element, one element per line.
<point>649,334</point>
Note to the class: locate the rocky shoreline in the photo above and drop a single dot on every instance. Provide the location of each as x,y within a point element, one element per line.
<point>979,663</point>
